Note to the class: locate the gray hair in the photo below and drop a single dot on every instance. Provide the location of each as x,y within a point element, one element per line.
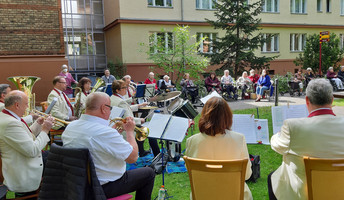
<point>226,71</point>
<point>319,92</point>
<point>64,66</point>
<point>3,88</point>
<point>166,77</point>
<point>126,76</point>
<point>151,73</point>
<point>330,68</point>
<point>245,72</point>
<point>13,97</point>
<point>341,67</point>
<point>94,99</point>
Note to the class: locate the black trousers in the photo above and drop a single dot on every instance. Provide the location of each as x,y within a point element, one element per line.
<point>271,192</point>
<point>153,143</point>
<point>140,180</point>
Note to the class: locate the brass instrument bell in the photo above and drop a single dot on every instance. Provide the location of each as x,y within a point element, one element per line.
<point>141,133</point>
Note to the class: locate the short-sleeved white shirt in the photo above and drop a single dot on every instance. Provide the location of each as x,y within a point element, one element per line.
<point>108,148</point>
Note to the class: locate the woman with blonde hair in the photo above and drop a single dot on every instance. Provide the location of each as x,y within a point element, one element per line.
<point>216,140</point>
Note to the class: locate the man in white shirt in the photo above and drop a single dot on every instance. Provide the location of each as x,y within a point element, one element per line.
<point>63,108</point>
<point>319,135</point>
<point>109,150</point>
<point>20,145</point>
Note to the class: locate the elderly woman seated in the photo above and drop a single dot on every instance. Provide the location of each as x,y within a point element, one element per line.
<point>167,84</point>
<point>212,83</point>
<point>188,87</point>
<point>216,140</point>
<point>244,84</point>
<point>331,75</point>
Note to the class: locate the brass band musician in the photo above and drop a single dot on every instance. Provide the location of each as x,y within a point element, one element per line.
<point>63,108</point>
<point>80,96</point>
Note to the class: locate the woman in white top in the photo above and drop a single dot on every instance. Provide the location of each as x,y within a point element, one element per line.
<point>216,141</point>
<point>228,84</point>
<point>167,84</point>
<point>244,83</point>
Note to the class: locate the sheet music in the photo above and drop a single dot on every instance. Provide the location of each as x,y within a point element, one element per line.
<point>157,125</point>
<point>176,129</point>
<point>278,115</point>
<point>213,94</point>
<point>262,131</point>
<point>116,112</point>
<point>244,124</point>
<point>281,113</point>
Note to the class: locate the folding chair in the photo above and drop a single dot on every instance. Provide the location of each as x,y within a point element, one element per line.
<point>216,179</point>
<point>325,178</point>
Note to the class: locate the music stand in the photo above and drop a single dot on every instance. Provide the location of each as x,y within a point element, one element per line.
<point>166,130</point>
<point>150,90</point>
<point>140,91</point>
<point>108,89</point>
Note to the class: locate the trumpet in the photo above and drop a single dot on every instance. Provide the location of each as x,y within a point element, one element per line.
<point>141,133</point>
<point>58,121</point>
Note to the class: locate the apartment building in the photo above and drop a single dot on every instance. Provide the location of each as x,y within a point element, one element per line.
<point>130,22</point>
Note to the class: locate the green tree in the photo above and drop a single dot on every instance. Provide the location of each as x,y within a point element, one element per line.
<point>331,54</point>
<point>175,53</point>
<point>235,50</point>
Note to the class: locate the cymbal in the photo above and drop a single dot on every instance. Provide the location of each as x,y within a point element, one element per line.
<point>148,107</point>
<point>165,96</point>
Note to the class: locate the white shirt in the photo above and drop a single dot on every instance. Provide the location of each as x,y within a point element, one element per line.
<point>108,148</point>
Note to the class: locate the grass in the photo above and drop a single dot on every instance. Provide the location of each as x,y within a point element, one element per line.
<point>178,184</point>
<point>338,102</point>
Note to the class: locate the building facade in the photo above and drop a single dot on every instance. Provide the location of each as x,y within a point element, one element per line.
<point>130,22</point>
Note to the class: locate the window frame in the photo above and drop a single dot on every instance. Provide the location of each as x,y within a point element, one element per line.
<point>200,2</point>
<point>328,6</point>
<point>342,7</point>
<point>302,5</point>
<point>165,4</point>
<point>274,7</point>
<point>301,42</point>
<point>167,47</point>
<point>341,41</point>
<point>274,40</point>
<point>319,5</point>
<point>200,35</point>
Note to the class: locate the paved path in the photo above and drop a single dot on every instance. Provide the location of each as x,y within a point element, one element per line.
<point>283,100</point>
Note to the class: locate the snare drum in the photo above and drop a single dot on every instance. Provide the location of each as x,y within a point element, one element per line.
<point>185,110</point>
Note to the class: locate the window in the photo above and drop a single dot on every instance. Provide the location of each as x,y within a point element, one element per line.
<point>205,4</point>
<point>342,7</point>
<point>298,6</point>
<point>341,37</point>
<point>319,5</point>
<point>206,45</point>
<point>271,6</point>
<point>161,42</point>
<point>271,72</point>
<point>328,6</point>
<point>272,43</point>
<point>160,3</point>
<point>297,42</point>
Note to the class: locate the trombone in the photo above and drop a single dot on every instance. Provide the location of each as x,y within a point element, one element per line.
<point>58,121</point>
<point>141,133</point>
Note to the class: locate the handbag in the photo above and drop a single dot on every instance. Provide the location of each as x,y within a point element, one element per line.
<point>157,165</point>
<point>255,161</point>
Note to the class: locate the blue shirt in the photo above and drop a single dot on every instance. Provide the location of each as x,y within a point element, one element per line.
<point>264,81</point>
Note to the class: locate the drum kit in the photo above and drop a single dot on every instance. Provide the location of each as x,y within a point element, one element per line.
<point>177,107</point>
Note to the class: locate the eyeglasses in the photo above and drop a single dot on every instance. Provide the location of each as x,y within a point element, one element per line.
<point>63,82</point>
<point>123,87</point>
<point>108,106</point>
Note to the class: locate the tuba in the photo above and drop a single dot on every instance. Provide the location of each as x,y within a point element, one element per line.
<point>25,84</point>
<point>77,106</point>
<point>100,82</point>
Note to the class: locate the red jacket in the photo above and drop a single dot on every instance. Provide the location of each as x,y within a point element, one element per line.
<point>147,81</point>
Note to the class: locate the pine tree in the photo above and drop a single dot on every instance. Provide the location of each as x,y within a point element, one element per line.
<point>235,50</point>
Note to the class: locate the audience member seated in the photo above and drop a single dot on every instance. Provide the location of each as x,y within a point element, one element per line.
<point>216,140</point>
<point>119,89</point>
<point>63,108</point>
<point>167,84</point>
<point>131,90</point>
<point>151,80</point>
<point>107,77</point>
<point>298,78</point>
<point>254,78</point>
<point>69,80</point>
<point>319,135</point>
<point>21,146</point>
<point>244,83</point>
<point>341,73</point>
<point>85,86</point>
<point>262,85</point>
<point>188,87</point>
<point>109,150</point>
<point>309,76</point>
<point>212,83</point>
<point>228,84</point>
<point>331,75</point>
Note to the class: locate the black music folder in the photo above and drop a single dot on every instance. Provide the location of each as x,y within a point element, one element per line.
<point>168,127</point>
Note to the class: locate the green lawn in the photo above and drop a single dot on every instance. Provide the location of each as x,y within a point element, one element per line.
<point>178,185</point>
<point>338,102</point>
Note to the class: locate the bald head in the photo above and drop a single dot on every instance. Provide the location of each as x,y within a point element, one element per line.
<point>98,104</point>
<point>13,97</point>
